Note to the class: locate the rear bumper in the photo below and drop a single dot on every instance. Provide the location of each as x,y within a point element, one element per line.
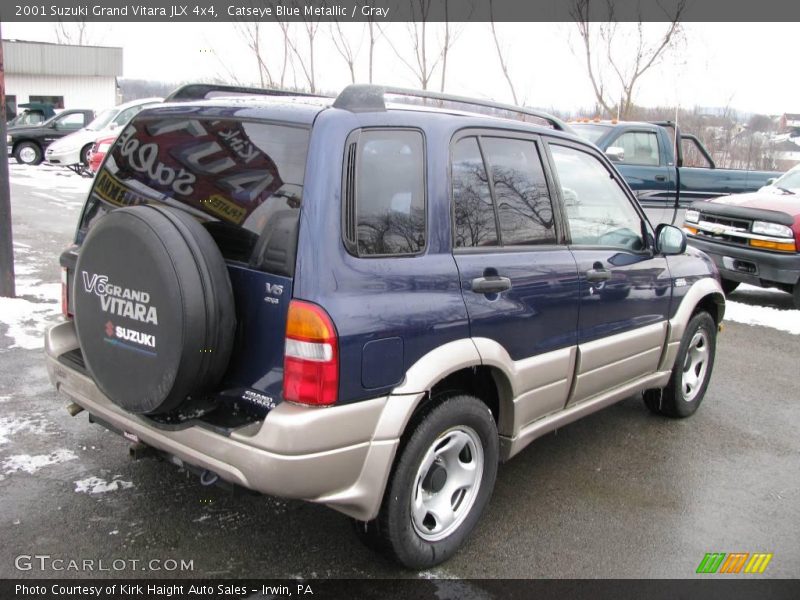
<point>756,267</point>
<point>335,456</point>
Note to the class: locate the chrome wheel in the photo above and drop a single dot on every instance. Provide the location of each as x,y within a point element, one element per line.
<point>447,483</point>
<point>27,155</point>
<point>695,366</point>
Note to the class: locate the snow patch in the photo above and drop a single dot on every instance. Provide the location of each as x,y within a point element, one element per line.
<point>47,178</point>
<point>37,304</point>
<point>31,464</point>
<point>764,316</point>
<point>96,485</point>
<point>12,425</point>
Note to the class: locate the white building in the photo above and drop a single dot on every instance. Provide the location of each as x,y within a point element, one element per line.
<point>61,75</point>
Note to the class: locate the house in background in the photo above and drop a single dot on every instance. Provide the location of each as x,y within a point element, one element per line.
<point>790,123</point>
<point>786,154</point>
<point>61,75</point>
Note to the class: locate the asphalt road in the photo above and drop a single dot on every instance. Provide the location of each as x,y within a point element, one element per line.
<point>621,493</point>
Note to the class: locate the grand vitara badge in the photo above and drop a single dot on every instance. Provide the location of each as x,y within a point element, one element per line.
<point>120,301</point>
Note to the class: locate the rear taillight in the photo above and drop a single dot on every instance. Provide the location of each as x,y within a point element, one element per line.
<point>65,293</point>
<point>311,362</point>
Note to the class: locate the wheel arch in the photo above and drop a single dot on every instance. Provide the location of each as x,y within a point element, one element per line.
<point>455,367</point>
<point>19,142</point>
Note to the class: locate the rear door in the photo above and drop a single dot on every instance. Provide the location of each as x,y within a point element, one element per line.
<point>518,279</point>
<point>243,180</point>
<point>625,288</point>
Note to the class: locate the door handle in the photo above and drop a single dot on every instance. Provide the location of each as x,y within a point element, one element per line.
<point>598,275</point>
<point>661,177</point>
<point>492,284</point>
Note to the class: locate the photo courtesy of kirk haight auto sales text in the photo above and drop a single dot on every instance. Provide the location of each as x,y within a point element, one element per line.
<point>165,591</point>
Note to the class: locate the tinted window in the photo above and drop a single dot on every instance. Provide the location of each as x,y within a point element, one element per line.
<point>238,177</point>
<point>523,203</point>
<point>474,216</point>
<point>641,148</point>
<point>390,192</point>
<point>598,210</point>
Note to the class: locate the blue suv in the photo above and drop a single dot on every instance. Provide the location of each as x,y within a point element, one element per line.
<point>369,301</point>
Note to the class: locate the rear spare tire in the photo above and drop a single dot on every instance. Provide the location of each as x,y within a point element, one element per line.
<point>154,309</point>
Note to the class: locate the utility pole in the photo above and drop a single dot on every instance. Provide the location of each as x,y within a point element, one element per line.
<point>6,245</point>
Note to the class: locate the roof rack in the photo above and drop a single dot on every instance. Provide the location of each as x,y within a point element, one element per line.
<point>369,98</point>
<point>203,91</point>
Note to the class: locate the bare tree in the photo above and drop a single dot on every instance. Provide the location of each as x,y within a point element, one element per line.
<point>446,44</point>
<point>304,58</point>
<point>75,34</point>
<point>250,32</point>
<point>425,61</point>
<point>374,34</point>
<point>608,56</point>
<point>500,54</point>
<point>287,56</point>
<point>345,48</point>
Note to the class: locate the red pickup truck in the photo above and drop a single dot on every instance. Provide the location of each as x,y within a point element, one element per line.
<point>753,238</point>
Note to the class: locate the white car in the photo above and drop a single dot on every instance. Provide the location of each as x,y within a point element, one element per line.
<point>73,150</point>
<point>788,183</point>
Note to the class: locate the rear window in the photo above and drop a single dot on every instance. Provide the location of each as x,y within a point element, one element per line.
<point>242,179</point>
<point>590,132</point>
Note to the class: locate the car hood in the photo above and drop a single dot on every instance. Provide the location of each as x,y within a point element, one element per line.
<point>786,203</point>
<point>25,129</point>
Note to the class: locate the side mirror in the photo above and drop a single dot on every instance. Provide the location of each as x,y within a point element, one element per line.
<point>771,180</point>
<point>615,153</point>
<point>54,125</point>
<point>670,239</point>
<point>113,125</point>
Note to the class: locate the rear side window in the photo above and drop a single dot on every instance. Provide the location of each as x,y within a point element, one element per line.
<point>474,215</point>
<point>384,192</point>
<point>242,179</point>
<point>510,208</point>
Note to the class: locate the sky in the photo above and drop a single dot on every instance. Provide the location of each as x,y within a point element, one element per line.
<point>745,66</point>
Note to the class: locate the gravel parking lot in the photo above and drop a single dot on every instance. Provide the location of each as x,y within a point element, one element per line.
<point>621,493</point>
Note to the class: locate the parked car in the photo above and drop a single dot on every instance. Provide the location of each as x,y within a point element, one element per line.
<point>753,238</point>
<point>73,149</point>
<point>27,143</point>
<point>98,152</point>
<point>368,305</point>
<point>644,154</point>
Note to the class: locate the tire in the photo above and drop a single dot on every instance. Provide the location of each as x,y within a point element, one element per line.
<point>456,438</point>
<point>84,156</point>
<point>28,153</point>
<point>796,295</point>
<point>728,286</point>
<point>684,393</point>
<point>154,309</point>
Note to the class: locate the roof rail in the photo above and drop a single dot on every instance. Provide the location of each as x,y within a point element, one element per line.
<point>369,98</point>
<point>203,91</point>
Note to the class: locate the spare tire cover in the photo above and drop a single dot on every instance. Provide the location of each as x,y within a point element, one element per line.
<point>154,309</point>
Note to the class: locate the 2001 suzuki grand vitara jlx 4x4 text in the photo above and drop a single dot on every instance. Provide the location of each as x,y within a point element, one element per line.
<point>369,305</point>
